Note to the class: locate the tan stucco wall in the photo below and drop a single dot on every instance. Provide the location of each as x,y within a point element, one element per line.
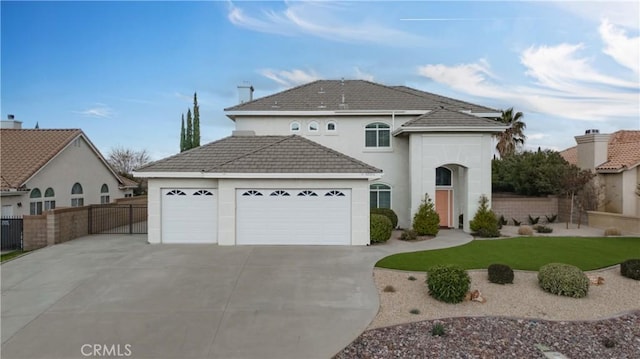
<point>626,224</point>
<point>613,192</point>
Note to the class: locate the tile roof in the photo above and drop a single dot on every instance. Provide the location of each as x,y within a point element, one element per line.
<point>570,155</point>
<point>261,154</point>
<point>24,152</point>
<point>336,95</point>
<point>449,118</point>
<point>623,151</point>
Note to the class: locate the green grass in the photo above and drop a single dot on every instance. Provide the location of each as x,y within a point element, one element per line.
<point>10,255</point>
<point>525,253</point>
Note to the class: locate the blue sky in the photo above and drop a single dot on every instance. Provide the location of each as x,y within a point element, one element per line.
<point>124,72</point>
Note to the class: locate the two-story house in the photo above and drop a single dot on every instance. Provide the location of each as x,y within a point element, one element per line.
<point>305,165</point>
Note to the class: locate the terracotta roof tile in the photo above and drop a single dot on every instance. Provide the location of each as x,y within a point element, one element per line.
<point>570,155</point>
<point>623,151</point>
<point>24,152</point>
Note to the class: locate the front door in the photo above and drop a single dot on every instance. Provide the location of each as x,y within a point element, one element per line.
<point>444,206</point>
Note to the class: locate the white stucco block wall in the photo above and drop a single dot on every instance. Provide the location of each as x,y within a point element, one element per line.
<point>432,150</point>
<point>154,198</point>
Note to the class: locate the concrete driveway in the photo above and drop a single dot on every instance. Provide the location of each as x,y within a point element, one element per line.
<point>117,295</point>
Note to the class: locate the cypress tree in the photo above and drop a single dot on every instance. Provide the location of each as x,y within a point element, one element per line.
<point>196,121</point>
<point>188,141</point>
<point>182,148</point>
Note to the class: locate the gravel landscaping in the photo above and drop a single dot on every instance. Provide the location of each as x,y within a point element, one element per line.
<point>515,318</point>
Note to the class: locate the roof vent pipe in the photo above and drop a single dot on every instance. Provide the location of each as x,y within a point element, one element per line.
<point>245,92</point>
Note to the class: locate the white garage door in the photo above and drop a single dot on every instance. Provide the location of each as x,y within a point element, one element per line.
<point>293,216</point>
<point>189,215</point>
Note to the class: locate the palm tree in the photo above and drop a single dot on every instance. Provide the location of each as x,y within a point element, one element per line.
<point>513,137</point>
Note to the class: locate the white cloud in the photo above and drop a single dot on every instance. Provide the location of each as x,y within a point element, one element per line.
<point>564,83</point>
<point>623,49</point>
<point>361,75</point>
<point>328,20</point>
<point>291,78</point>
<point>624,13</point>
<point>537,136</point>
<point>99,110</point>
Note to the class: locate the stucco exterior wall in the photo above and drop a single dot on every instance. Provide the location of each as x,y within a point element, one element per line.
<point>432,150</point>
<point>613,192</point>
<point>349,138</point>
<point>76,163</point>
<point>629,197</point>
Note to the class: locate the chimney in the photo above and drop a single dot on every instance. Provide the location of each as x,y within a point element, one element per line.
<point>11,123</point>
<point>245,92</point>
<point>592,149</point>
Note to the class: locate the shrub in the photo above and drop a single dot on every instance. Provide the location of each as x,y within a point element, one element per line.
<point>448,283</point>
<point>609,342</point>
<point>552,218</point>
<point>426,222</point>
<point>387,212</point>
<point>438,330</point>
<point>502,221</point>
<point>412,278</point>
<point>389,289</point>
<point>533,221</point>
<point>516,222</point>
<point>525,231</point>
<point>409,235</point>
<point>612,231</point>
<point>414,311</point>
<point>630,268</point>
<point>380,227</point>
<point>544,229</point>
<point>500,274</point>
<point>563,279</point>
<point>485,223</point>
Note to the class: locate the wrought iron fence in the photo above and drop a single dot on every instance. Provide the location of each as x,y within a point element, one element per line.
<point>120,219</point>
<point>11,233</point>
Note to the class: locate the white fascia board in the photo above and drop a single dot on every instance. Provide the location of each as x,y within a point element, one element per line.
<point>258,175</point>
<point>449,129</point>
<point>485,114</point>
<point>233,114</point>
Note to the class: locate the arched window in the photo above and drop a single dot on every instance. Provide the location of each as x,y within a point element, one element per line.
<point>49,201</point>
<point>104,194</point>
<point>443,176</point>
<point>35,202</point>
<point>377,135</point>
<point>379,196</point>
<point>76,195</point>
<point>331,126</point>
<point>294,127</point>
<point>313,126</point>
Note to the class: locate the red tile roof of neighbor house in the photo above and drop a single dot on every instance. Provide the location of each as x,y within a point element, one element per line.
<point>623,152</point>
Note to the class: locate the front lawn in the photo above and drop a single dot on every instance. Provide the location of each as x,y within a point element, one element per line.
<point>525,253</point>
<point>10,255</point>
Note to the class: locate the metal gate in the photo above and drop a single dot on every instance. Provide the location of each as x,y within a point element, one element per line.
<point>118,219</point>
<point>11,233</point>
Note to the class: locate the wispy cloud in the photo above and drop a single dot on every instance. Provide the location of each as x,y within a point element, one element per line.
<point>361,75</point>
<point>328,20</point>
<point>563,83</point>
<point>291,78</point>
<point>99,110</point>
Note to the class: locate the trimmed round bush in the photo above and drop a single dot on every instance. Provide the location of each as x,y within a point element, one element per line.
<point>563,279</point>
<point>544,229</point>
<point>448,283</point>
<point>387,212</point>
<point>380,228</point>
<point>409,235</point>
<point>525,231</point>
<point>500,274</point>
<point>630,268</point>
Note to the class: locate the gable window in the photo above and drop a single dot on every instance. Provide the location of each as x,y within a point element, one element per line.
<point>313,126</point>
<point>331,126</point>
<point>49,199</point>
<point>35,205</point>
<point>104,194</point>
<point>377,135</point>
<point>443,176</point>
<point>294,127</point>
<point>379,196</point>
<point>77,200</point>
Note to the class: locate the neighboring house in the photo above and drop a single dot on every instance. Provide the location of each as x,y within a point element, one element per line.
<point>43,169</point>
<point>306,164</point>
<point>615,158</point>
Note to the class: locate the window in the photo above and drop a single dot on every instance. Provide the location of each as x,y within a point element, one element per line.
<point>334,194</point>
<point>279,193</point>
<point>203,192</point>
<point>379,196</point>
<point>307,194</point>
<point>443,176</point>
<point>252,193</point>
<point>294,127</point>
<point>128,195</point>
<point>313,126</point>
<point>35,205</point>
<point>331,126</point>
<point>104,194</point>
<point>49,202</point>
<point>377,135</point>
<point>176,192</point>
<point>76,195</point>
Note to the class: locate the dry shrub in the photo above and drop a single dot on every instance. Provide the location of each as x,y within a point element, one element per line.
<point>525,231</point>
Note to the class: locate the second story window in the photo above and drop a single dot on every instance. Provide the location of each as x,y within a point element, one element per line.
<point>104,194</point>
<point>313,126</point>
<point>35,202</point>
<point>49,199</point>
<point>377,135</point>
<point>77,199</point>
<point>294,127</point>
